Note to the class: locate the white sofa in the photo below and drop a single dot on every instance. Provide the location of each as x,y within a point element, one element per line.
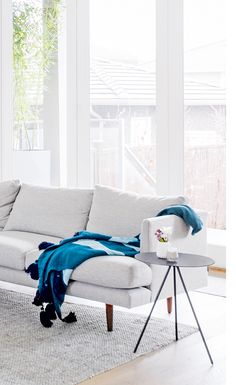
<point>32,214</point>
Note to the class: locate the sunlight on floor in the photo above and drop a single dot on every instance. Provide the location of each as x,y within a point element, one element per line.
<point>216,286</point>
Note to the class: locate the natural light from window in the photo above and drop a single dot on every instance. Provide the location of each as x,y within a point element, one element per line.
<point>204,80</point>
<point>123,94</point>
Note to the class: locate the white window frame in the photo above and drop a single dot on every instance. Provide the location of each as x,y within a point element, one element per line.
<point>78,89</point>
<point>170,97</point>
<point>6,86</point>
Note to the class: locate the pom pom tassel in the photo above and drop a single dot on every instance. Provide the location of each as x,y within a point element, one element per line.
<point>45,320</point>
<point>37,300</point>
<point>33,271</point>
<point>71,317</point>
<point>50,311</point>
<point>45,245</point>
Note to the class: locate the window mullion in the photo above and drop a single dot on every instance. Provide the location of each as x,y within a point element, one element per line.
<point>6,99</point>
<point>78,72</point>
<point>83,91</point>
<point>170,101</point>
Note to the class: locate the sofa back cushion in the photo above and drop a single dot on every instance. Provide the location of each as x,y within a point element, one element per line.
<point>52,211</point>
<point>8,193</point>
<point>118,213</point>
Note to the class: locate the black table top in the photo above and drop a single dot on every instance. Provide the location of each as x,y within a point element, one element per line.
<point>184,260</point>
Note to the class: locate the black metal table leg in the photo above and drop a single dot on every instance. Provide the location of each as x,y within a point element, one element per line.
<point>195,316</point>
<point>176,321</point>
<point>146,323</point>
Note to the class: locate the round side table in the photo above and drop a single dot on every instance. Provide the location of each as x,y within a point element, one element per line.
<point>184,260</point>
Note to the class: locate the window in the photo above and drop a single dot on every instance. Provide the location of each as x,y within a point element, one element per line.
<point>120,138</point>
<point>204,81</point>
<point>36,32</point>
<point>53,119</point>
<point>123,93</point>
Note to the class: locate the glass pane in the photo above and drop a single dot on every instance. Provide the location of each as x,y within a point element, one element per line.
<point>123,94</point>
<point>36,32</point>
<point>205,107</point>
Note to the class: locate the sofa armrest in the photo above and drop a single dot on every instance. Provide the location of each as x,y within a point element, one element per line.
<point>181,236</point>
<point>185,242</point>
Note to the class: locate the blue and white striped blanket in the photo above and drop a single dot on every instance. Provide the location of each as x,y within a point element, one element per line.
<point>56,264</point>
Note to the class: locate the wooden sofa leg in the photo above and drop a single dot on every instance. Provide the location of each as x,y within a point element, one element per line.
<point>109,315</point>
<point>169,304</point>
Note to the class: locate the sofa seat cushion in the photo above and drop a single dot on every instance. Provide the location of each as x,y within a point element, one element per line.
<point>15,244</point>
<point>59,212</point>
<point>108,271</point>
<point>119,213</point>
<point>8,193</point>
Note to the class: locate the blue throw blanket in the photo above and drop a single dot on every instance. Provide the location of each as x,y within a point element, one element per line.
<point>187,214</point>
<point>57,262</point>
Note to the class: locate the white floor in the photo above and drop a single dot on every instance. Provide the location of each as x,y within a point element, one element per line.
<point>182,363</point>
<point>216,286</point>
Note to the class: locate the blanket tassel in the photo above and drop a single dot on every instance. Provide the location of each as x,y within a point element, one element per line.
<point>33,271</point>
<point>50,310</point>
<point>45,320</point>
<point>71,317</point>
<point>47,315</point>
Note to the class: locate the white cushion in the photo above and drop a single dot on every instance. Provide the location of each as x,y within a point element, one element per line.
<point>108,271</point>
<point>8,192</point>
<point>15,244</point>
<point>118,213</point>
<point>53,211</point>
<point>119,297</point>
<point>114,271</point>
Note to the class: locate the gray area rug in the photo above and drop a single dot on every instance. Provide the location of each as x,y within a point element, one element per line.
<point>67,354</point>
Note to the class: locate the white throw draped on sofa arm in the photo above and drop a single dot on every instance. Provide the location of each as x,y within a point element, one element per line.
<point>185,242</point>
